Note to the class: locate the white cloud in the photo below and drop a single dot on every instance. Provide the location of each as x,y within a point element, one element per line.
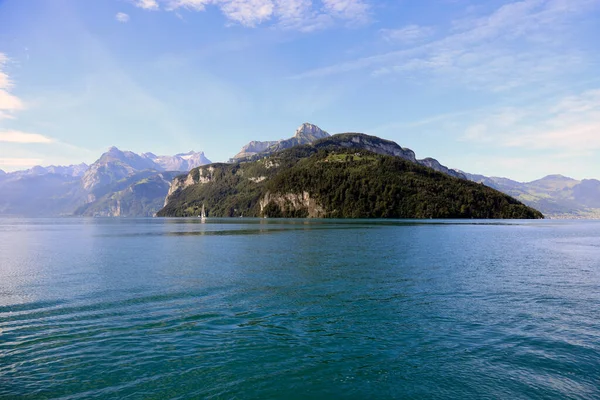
<point>122,17</point>
<point>408,34</point>
<point>146,4</point>
<point>13,136</point>
<point>248,12</point>
<point>302,15</point>
<point>9,103</point>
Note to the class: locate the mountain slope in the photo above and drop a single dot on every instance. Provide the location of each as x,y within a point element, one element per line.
<point>335,177</point>
<point>39,195</point>
<point>139,195</point>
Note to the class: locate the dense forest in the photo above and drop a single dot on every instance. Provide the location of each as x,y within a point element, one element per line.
<point>345,183</point>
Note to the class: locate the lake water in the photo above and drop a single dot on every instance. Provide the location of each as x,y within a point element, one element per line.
<point>266,309</point>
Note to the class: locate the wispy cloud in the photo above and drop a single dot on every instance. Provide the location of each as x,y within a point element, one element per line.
<point>122,17</point>
<point>408,34</point>
<point>302,15</point>
<point>20,162</point>
<point>12,136</point>
<point>248,12</point>
<point>519,43</point>
<point>565,125</point>
<point>350,10</point>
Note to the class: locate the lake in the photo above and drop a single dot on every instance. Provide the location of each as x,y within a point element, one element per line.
<point>296,309</point>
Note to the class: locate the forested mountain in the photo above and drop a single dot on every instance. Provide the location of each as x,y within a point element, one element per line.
<point>343,176</point>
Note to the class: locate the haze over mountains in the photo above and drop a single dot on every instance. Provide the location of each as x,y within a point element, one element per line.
<point>123,183</point>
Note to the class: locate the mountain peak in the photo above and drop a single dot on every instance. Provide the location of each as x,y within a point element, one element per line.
<point>557,177</point>
<point>310,131</point>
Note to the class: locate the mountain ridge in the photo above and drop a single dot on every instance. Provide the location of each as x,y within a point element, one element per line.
<point>309,133</point>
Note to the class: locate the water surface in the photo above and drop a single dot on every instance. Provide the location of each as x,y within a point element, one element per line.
<point>173,308</point>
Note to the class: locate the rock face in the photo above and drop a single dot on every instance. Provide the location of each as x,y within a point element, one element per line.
<point>435,165</point>
<point>253,148</point>
<point>556,196</point>
<point>296,202</point>
<point>181,182</point>
<point>305,134</point>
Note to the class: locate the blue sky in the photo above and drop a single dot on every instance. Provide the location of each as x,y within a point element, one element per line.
<point>503,88</point>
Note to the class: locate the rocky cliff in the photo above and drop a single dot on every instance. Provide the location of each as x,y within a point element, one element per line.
<point>305,134</point>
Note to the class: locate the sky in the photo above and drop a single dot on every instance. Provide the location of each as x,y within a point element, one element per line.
<point>500,88</point>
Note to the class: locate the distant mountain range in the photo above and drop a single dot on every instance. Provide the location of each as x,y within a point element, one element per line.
<point>556,196</point>
<point>119,183</point>
<point>123,183</point>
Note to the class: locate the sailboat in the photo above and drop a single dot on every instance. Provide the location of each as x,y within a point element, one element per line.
<point>202,216</point>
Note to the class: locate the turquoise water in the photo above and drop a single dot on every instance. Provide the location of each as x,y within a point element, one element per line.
<point>160,308</point>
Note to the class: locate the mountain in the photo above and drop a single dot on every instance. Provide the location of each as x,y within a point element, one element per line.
<point>119,183</point>
<point>179,162</point>
<point>113,166</point>
<point>123,183</point>
<point>309,133</point>
<point>305,134</point>
<point>38,195</point>
<point>341,176</point>
<point>70,170</point>
<point>556,196</point>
